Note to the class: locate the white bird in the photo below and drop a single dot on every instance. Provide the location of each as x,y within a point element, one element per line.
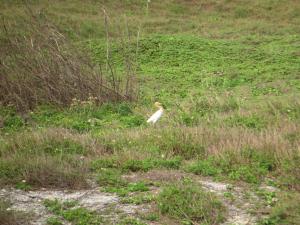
<point>153,119</point>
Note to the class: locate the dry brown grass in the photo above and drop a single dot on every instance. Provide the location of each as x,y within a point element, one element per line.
<point>53,158</point>
<point>56,157</point>
<point>216,141</point>
<point>11,217</point>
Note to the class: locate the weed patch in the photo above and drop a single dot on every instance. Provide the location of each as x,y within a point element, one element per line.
<point>47,158</point>
<point>130,187</point>
<point>252,122</point>
<point>190,204</point>
<point>77,216</point>
<point>111,181</point>
<point>12,217</point>
<point>130,221</point>
<point>54,221</point>
<point>250,165</point>
<point>135,165</point>
<point>147,164</point>
<point>111,177</point>
<point>286,211</point>
<point>204,167</point>
<point>138,199</point>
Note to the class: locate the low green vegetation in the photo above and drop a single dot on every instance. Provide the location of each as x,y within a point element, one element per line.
<point>111,181</point>
<point>190,204</point>
<point>135,165</point>
<point>77,216</point>
<point>151,216</point>
<point>217,65</point>
<point>54,221</point>
<point>285,211</point>
<point>139,199</point>
<point>251,166</point>
<point>82,118</point>
<point>131,221</point>
<point>130,187</point>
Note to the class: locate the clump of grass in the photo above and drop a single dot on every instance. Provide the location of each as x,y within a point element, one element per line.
<point>289,174</point>
<point>138,199</point>
<point>172,143</point>
<point>110,180</point>
<point>253,122</point>
<point>188,203</point>
<point>147,164</point>
<point>78,216</point>
<point>85,116</point>
<point>54,221</point>
<point>249,165</point>
<point>125,190</point>
<point>138,186</point>
<point>152,216</point>
<point>47,159</point>
<point>10,120</point>
<point>286,211</point>
<point>204,167</point>
<point>110,177</point>
<point>130,221</point>
<point>44,171</point>
<point>135,165</point>
<point>12,217</point>
<point>23,186</point>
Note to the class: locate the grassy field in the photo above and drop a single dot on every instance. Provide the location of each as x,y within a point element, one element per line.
<point>228,75</point>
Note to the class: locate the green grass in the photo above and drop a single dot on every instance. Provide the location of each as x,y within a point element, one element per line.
<point>130,221</point>
<point>135,165</point>
<point>188,203</point>
<point>54,221</point>
<point>217,65</point>
<point>129,188</point>
<point>252,166</point>
<point>151,217</point>
<point>81,118</point>
<point>285,211</point>
<point>111,177</point>
<point>111,181</point>
<point>23,186</point>
<point>77,216</point>
<point>139,199</point>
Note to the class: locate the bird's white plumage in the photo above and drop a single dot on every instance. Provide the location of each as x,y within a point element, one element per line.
<point>155,116</point>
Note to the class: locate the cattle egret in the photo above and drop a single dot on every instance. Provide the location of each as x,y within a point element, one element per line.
<point>153,119</point>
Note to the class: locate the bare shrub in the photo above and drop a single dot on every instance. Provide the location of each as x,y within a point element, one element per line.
<point>118,33</point>
<point>38,65</point>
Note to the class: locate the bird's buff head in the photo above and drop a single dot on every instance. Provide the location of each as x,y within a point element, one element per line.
<point>158,104</point>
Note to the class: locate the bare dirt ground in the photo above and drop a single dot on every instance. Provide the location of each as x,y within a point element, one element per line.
<point>240,202</point>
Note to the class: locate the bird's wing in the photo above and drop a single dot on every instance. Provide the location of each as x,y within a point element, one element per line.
<point>155,116</point>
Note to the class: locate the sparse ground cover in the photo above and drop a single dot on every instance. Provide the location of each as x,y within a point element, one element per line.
<point>228,74</point>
